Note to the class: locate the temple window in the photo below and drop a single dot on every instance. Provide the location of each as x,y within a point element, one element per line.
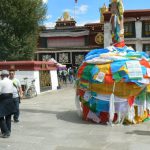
<point>146,29</point>
<point>129,29</point>
<point>146,48</point>
<point>131,45</point>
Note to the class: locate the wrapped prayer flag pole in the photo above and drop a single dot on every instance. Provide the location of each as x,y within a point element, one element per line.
<point>117,10</point>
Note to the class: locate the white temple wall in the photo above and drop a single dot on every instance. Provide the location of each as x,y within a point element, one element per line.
<point>107,34</point>
<point>31,75</point>
<point>54,79</point>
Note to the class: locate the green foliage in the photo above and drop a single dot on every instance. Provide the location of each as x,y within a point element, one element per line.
<point>19,25</point>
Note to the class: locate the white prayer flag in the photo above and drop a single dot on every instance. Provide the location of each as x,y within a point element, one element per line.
<point>100,76</point>
<point>134,70</point>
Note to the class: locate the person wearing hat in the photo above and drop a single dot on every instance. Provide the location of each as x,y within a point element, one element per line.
<point>7,106</point>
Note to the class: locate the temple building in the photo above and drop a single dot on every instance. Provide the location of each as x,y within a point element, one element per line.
<point>136,29</point>
<point>68,43</point>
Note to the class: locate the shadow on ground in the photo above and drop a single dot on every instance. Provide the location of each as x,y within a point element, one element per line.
<point>139,132</point>
<point>69,116</point>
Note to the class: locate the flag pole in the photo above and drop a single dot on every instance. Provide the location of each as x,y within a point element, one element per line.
<point>75,2</point>
<point>74,10</point>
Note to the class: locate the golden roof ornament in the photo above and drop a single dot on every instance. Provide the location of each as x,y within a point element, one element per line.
<point>66,16</point>
<point>102,11</point>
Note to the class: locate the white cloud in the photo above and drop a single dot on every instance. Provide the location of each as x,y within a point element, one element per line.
<point>50,24</point>
<point>78,10</point>
<point>45,1</point>
<point>48,17</point>
<point>82,9</point>
<point>67,10</point>
<point>82,23</point>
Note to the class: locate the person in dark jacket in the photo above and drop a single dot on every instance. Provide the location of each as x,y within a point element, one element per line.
<point>7,106</point>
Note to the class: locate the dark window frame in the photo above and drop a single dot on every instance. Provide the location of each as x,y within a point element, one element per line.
<point>132,45</point>
<point>132,34</point>
<point>144,24</point>
<point>42,42</point>
<point>145,46</point>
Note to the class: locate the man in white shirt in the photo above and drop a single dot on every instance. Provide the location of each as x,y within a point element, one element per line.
<point>7,106</point>
<point>17,94</point>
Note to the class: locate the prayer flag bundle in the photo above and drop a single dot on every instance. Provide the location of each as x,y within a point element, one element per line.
<point>113,86</point>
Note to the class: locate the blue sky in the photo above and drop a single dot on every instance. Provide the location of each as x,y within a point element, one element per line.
<point>87,11</point>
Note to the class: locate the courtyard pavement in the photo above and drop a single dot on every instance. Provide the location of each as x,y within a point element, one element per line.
<point>50,122</point>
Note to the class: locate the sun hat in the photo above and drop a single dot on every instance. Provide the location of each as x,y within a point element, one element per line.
<point>4,72</point>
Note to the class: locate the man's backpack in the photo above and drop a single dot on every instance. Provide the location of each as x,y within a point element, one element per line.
<point>70,72</point>
<point>62,73</point>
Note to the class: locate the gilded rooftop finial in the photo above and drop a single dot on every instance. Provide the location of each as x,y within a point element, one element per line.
<point>102,11</point>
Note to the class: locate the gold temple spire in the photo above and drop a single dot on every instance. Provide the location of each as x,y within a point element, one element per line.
<point>102,11</point>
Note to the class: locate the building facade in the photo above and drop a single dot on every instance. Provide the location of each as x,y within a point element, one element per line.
<point>68,43</point>
<point>136,28</point>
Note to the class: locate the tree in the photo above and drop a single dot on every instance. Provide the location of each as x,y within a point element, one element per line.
<point>19,28</point>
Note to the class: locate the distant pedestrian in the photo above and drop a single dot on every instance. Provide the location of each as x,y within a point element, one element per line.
<point>70,75</point>
<point>75,72</point>
<point>60,75</point>
<point>64,76</point>
<point>17,94</point>
<point>7,106</point>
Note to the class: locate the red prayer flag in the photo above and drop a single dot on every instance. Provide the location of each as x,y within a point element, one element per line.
<point>131,100</point>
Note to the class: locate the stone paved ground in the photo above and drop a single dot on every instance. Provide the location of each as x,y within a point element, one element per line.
<point>50,122</point>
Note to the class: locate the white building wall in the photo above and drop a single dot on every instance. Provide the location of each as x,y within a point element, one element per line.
<point>31,75</point>
<point>37,81</point>
<point>138,40</point>
<point>54,79</point>
<point>138,29</point>
<point>107,34</point>
<point>139,46</point>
